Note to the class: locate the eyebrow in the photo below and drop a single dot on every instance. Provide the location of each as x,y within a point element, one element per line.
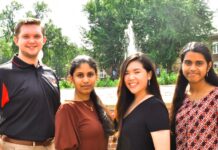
<point>192,61</point>
<point>86,72</point>
<point>135,69</point>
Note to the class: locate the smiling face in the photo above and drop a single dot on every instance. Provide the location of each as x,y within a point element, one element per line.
<point>136,78</point>
<point>84,78</point>
<point>30,41</point>
<point>195,67</point>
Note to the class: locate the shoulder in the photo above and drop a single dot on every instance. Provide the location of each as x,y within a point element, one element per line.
<point>67,106</point>
<point>216,90</point>
<point>213,95</point>
<point>5,70</point>
<point>154,107</point>
<point>66,110</point>
<point>157,117</point>
<point>45,67</point>
<point>48,69</point>
<point>50,75</point>
<point>155,102</point>
<point>6,66</point>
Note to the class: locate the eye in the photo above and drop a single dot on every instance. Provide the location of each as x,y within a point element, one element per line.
<point>188,62</point>
<point>80,75</point>
<point>90,74</point>
<point>199,63</point>
<point>137,72</point>
<point>37,36</point>
<point>25,36</point>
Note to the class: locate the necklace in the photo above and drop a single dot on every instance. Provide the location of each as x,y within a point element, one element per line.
<point>90,107</point>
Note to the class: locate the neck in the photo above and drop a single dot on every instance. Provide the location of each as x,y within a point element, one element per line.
<point>199,87</point>
<point>142,96</point>
<point>31,61</point>
<point>81,97</point>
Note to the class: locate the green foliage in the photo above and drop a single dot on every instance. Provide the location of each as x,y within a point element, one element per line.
<point>107,82</point>
<point>40,10</point>
<point>5,51</point>
<point>58,51</point>
<point>7,23</point>
<point>167,78</point>
<point>161,28</point>
<point>65,84</point>
<point>106,33</point>
<point>170,25</point>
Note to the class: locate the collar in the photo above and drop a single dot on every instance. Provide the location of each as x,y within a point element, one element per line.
<point>21,64</point>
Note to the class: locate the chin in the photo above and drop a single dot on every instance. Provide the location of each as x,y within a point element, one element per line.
<point>194,81</point>
<point>133,91</point>
<point>87,92</point>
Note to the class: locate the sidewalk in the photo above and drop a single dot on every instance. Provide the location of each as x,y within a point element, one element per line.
<point>108,95</point>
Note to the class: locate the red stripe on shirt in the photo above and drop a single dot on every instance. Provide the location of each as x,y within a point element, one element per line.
<point>5,97</point>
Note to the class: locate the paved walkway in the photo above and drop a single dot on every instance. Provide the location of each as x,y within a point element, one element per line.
<point>109,97</point>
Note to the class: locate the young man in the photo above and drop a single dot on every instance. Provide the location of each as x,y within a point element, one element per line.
<point>29,93</point>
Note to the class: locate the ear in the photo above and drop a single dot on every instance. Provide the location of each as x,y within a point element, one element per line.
<point>97,77</point>
<point>44,39</point>
<point>16,40</point>
<point>209,66</point>
<point>149,75</point>
<point>71,79</point>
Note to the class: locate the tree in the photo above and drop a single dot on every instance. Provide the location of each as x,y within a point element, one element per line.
<point>106,33</point>
<point>5,51</point>
<point>41,11</point>
<point>161,27</point>
<point>7,22</point>
<point>58,51</point>
<point>170,25</point>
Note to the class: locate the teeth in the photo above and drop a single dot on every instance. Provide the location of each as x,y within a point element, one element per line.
<point>132,84</point>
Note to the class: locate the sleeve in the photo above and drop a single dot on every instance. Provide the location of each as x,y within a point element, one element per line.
<point>66,131</point>
<point>158,117</point>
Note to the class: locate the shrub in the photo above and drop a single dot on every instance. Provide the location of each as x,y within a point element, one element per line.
<point>167,78</point>
<point>65,84</point>
<point>107,82</point>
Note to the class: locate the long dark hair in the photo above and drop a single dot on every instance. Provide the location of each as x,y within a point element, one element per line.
<point>125,97</point>
<point>100,109</point>
<point>182,82</point>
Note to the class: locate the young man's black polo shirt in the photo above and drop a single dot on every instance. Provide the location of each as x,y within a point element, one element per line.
<point>29,99</point>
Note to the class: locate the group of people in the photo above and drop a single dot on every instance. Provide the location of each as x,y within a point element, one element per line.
<point>32,117</point>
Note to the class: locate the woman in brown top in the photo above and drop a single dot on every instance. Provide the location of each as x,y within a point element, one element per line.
<point>82,124</point>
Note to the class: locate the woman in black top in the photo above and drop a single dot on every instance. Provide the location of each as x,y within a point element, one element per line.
<point>141,114</point>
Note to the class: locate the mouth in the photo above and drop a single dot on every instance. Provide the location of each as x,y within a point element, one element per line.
<point>192,74</point>
<point>31,47</point>
<point>132,85</point>
<point>86,86</point>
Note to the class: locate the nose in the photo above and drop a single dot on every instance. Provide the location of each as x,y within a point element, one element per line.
<point>85,79</point>
<point>193,67</point>
<point>131,76</point>
<point>31,40</point>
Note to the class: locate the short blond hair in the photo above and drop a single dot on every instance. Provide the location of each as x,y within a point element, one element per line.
<point>27,21</point>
